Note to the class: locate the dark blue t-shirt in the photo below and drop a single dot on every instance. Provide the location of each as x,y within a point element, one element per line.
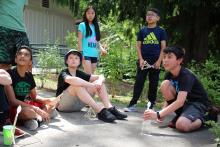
<point>151,42</point>
<point>187,81</point>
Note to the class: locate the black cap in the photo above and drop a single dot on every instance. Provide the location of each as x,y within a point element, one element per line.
<point>74,52</point>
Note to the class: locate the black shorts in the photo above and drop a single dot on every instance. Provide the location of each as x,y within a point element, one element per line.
<point>10,42</point>
<point>92,59</point>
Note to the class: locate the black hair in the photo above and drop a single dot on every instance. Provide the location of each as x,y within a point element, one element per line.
<point>95,23</point>
<point>178,51</point>
<point>154,10</point>
<point>27,48</point>
<point>74,52</point>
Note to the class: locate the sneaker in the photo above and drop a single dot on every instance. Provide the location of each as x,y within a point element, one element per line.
<point>31,124</point>
<point>53,114</point>
<point>106,116</point>
<point>131,108</point>
<point>116,113</point>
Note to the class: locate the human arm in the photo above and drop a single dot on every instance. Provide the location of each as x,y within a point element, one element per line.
<point>140,58</point>
<point>80,36</point>
<point>102,48</point>
<point>5,78</point>
<point>76,81</point>
<point>181,98</point>
<point>158,62</point>
<point>12,98</point>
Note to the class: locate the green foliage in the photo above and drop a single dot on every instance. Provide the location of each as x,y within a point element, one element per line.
<point>71,40</point>
<point>49,59</point>
<point>215,129</point>
<point>209,74</point>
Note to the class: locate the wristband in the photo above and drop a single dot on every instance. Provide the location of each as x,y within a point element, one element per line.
<point>158,115</point>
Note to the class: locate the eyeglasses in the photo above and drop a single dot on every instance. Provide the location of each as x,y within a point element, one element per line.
<point>25,54</point>
<point>151,14</point>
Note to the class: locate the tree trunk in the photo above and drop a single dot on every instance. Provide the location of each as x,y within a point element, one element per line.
<point>201,31</point>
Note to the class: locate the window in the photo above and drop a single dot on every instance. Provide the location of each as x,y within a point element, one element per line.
<point>45,3</point>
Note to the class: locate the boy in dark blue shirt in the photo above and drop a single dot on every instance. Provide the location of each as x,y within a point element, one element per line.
<point>183,94</point>
<point>151,40</point>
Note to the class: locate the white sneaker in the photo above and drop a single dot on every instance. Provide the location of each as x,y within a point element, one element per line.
<point>131,109</point>
<point>31,124</point>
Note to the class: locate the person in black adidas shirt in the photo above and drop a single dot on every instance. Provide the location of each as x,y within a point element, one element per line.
<point>76,89</point>
<point>151,40</point>
<point>183,94</point>
<point>23,86</point>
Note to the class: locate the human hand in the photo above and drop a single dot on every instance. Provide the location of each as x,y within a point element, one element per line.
<point>141,63</point>
<point>150,114</point>
<point>97,85</point>
<point>104,52</point>
<point>45,116</point>
<point>157,65</point>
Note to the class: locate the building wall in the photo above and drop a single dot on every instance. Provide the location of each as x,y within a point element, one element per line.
<point>47,25</point>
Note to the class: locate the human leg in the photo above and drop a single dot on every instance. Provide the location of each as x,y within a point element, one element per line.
<point>87,65</point>
<point>103,95</point>
<point>167,90</point>
<point>138,86</point>
<point>153,83</point>
<point>86,98</point>
<point>192,117</point>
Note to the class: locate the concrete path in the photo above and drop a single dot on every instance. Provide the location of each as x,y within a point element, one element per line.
<point>73,129</point>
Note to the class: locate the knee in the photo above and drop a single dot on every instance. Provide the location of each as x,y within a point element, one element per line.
<point>167,90</point>
<point>182,126</point>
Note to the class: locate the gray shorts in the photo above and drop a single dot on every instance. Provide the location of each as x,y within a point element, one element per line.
<point>194,110</point>
<point>69,103</point>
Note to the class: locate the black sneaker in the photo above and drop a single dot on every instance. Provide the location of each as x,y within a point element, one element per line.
<point>106,116</point>
<point>116,113</point>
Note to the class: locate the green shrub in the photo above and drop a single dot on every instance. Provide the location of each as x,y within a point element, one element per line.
<point>209,74</point>
<point>49,59</point>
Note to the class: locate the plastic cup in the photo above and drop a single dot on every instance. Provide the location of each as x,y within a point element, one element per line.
<point>8,134</point>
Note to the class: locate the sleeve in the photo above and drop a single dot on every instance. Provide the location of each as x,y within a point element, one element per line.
<point>81,27</point>
<point>83,75</point>
<point>60,83</point>
<point>139,36</point>
<point>63,75</point>
<point>163,36</point>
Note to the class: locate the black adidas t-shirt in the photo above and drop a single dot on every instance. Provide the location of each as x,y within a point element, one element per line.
<point>187,81</point>
<point>62,85</point>
<point>22,85</point>
<point>151,42</point>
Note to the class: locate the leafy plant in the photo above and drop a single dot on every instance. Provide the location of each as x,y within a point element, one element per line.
<point>49,60</point>
<point>215,129</point>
